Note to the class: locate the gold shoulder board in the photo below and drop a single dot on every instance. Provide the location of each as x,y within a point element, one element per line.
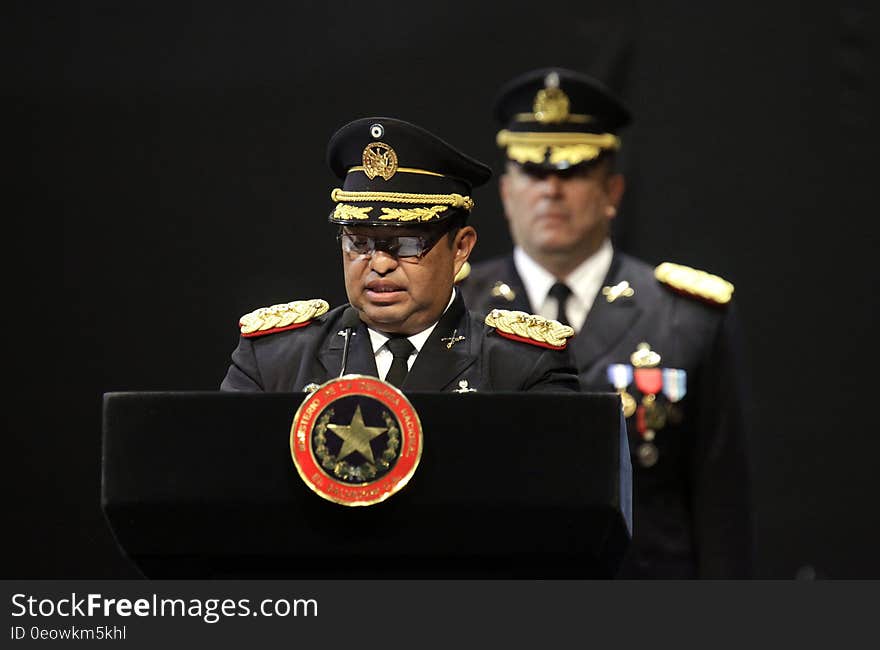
<point>696,283</point>
<point>529,328</point>
<point>463,273</point>
<point>284,316</point>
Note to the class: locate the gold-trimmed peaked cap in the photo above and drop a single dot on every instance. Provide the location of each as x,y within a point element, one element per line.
<point>395,173</point>
<point>556,118</point>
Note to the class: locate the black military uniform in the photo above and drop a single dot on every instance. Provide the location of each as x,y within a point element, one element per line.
<point>477,359</point>
<point>667,340</point>
<point>397,174</point>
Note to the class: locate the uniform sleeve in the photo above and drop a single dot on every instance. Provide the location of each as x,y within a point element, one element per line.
<point>720,471</point>
<point>243,373</point>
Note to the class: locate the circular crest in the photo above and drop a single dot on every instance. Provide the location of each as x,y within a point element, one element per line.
<point>379,160</point>
<point>551,105</point>
<point>356,440</point>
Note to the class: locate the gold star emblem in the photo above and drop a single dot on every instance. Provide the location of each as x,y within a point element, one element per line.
<point>356,436</point>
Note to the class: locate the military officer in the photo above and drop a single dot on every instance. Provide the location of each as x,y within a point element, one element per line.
<point>664,338</point>
<point>402,219</point>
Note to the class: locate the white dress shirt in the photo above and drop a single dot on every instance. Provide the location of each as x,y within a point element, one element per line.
<point>585,282</point>
<point>383,354</point>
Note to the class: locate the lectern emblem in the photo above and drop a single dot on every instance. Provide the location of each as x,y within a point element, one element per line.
<point>356,440</point>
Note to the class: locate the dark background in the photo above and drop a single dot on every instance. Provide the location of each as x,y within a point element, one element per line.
<point>172,178</point>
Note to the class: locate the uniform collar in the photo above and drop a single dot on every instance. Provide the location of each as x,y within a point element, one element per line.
<point>584,281</point>
<point>378,339</point>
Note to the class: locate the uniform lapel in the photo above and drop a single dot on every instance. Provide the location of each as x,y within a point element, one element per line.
<point>520,300</point>
<point>607,322</point>
<point>437,366</point>
<point>361,360</point>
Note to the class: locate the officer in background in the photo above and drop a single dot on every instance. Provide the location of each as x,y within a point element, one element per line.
<point>664,337</point>
<point>401,214</point>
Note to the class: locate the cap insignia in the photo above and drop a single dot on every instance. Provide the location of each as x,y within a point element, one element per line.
<point>347,212</point>
<point>412,214</point>
<point>529,328</point>
<point>696,283</point>
<point>551,105</point>
<point>280,317</point>
<point>571,148</point>
<point>379,160</point>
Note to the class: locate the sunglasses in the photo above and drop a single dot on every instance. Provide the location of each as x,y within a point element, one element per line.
<point>400,246</point>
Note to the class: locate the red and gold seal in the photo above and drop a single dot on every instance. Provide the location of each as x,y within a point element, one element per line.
<point>356,440</point>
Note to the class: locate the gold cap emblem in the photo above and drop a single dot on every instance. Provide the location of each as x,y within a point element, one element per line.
<point>551,105</point>
<point>379,160</point>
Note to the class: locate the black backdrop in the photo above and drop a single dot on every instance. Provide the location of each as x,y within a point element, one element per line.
<point>173,178</point>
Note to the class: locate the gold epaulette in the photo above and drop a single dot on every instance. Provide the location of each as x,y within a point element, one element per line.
<point>529,328</point>
<point>696,283</point>
<point>463,273</point>
<point>281,317</point>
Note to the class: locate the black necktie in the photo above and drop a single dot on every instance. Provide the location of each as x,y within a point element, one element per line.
<point>401,348</point>
<point>561,292</point>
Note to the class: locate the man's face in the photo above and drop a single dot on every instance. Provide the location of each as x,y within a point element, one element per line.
<point>404,295</point>
<point>560,214</point>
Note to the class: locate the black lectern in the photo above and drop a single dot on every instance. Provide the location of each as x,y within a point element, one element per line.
<point>510,485</point>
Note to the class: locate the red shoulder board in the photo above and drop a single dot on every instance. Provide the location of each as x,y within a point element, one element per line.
<point>281,317</point>
<point>529,328</point>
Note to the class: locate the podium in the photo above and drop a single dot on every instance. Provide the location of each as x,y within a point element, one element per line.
<point>510,485</point>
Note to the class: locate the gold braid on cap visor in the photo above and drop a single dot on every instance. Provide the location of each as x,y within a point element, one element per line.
<point>571,148</point>
<point>433,205</point>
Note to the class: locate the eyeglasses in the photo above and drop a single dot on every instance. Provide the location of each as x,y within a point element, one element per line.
<point>402,246</point>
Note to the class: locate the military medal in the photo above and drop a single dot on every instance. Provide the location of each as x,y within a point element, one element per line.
<point>620,376</point>
<point>675,388</point>
<point>649,381</point>
<point>674,383</point>
<point>655,414</point>
<point>650,416</point>
<point>628,402</point>
<point>356,440</point>
<point>646,452</point>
